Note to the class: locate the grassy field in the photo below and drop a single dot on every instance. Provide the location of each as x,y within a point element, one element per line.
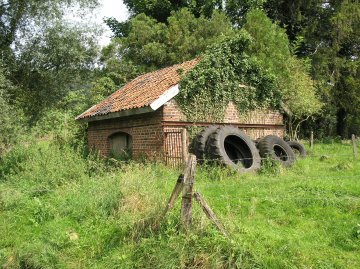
<point>61,210</point>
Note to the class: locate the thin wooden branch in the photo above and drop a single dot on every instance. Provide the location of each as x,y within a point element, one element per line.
<point>298,126</point>
<point>209,213</point>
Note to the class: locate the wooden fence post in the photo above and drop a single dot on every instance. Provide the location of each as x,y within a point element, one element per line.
<point>186,205</point>
<point>184,145</point>
<point>65,126</point>
<point>354,146</point>
<point>312,140</point>
<point>185,184</point>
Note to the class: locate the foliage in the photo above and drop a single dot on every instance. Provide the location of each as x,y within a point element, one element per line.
<point>219,75</point>
<point>236,10</point>
<point>58,59</point>
<point>102,88</point>
<point>330,38</point>
<point>73,208</point>
<point>226,73</point>
<point>151,45</point>
<point>21,16</point>
<point>161,10</point>
<point>271,48</point>
<point>345,64</point>
<point>11,117</point>
<point>46,56</point>
<point>297,15</point>
<point>114,65</point>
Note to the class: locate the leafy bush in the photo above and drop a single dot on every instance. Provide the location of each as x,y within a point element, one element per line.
<point>270,167</point>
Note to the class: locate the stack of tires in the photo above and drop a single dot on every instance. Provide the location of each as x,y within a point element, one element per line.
<point>231,147</point>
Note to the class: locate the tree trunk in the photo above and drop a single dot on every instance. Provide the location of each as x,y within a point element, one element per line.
<point>341,124</point>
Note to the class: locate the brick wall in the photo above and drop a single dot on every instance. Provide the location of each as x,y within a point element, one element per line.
<point>145,130</point>
<point>150,131</point>
<point>265,116</point>
<point>172,112</point>
<point>273,119</point>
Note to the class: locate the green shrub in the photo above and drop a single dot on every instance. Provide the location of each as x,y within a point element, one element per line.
<point>270,167</point>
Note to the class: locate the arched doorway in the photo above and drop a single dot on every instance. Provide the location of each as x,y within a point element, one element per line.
<point>121,145</point>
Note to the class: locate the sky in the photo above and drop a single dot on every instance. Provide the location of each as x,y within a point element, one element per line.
<point>111,8</point>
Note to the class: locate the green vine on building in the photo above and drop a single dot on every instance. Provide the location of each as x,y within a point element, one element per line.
<point>227,73</point>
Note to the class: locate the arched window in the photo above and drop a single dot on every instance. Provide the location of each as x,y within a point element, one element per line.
<point>121,144</point>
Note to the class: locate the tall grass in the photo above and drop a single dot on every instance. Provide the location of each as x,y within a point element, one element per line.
<point>62,209</point>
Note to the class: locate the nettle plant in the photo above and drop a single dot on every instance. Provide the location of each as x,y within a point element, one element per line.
<point>227,73</point>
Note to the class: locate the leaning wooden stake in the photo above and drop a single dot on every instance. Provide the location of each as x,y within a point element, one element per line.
<point>175,194</point>
<point>186,206</point>
<point>185,184</point>
<point>354,146</point>
<point>312,140</point>
<point>209,213</point>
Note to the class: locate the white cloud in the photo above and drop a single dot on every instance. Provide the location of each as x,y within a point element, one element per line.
<point>107,9</point>
<point>114,8</point>
<point>111,8</point>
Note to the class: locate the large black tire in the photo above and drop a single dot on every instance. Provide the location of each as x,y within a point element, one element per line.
<point>277,149</point>
<point>233,148</point>
<point>199,142</point>
<point>297,148</point>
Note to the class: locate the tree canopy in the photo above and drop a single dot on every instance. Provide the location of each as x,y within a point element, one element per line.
<point>255,69</point>
<point>45,54</point>
<point>151,45</point>
<point>301,54</point>
<point>20,15</point>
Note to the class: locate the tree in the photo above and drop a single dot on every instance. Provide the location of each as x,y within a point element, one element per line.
<point>151,45</point>
<point>327,33</point>
<point>297,15</point>
<point>271,48</point>
<point>332,44</point>
<point>236,10</point>
<point>10,116</point>
<point>161,10</point>
<point>56,60</point>
<point>46,57</point>
<point>20,15</point>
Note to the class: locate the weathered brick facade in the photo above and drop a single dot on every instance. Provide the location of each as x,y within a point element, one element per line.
<point>145,130</point>
<point>151,131</point>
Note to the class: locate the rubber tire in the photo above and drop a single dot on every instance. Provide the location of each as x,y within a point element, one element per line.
<point>297,147</point>
<point>230,140</point>
<point>199,142</point>
<point>269,147</point>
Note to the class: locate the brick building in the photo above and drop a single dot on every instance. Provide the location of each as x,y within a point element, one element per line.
<point>144,118</point>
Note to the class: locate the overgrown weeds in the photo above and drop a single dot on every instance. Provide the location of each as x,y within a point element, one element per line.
<point>62,209</point>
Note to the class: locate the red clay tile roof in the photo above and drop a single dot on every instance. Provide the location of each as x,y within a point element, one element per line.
<point>140,92</point>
